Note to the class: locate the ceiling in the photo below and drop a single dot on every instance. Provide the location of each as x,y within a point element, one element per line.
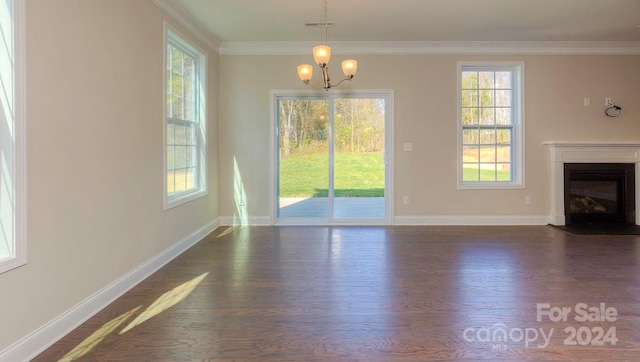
<point>230,21</point>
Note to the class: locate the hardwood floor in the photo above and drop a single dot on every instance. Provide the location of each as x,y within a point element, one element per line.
<point>377,293</point>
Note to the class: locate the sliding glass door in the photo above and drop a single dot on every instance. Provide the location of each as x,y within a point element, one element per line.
<point>303,158</point>
<point>331,158</point>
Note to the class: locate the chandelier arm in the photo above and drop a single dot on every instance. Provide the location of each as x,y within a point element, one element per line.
<point>348,78</point>
<point>326,83</point>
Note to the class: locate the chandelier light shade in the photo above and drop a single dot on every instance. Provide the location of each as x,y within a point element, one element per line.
<point>305,72</point>
<point>322,55</point>
<point>349,68</point>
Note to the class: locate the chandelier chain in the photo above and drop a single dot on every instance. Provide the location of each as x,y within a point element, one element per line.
<point>325,22</point>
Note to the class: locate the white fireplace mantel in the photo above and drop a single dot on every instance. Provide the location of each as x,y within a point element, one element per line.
<point>587,152</point>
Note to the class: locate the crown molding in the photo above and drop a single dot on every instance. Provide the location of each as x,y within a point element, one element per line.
<point>437,47</point>
<point>179,14</point>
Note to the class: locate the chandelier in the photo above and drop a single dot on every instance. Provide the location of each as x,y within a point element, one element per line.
<point>321,55</point>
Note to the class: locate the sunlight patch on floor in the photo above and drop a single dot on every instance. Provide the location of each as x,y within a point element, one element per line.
<point>98,336</point>
<point>166,301</point>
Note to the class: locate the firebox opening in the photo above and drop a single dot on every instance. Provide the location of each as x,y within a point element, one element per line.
<point>599,194</point>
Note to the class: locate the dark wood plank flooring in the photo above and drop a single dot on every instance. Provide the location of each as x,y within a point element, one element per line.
<point>375,293</point>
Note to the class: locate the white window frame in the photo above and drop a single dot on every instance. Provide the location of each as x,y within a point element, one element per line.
<point>13,248</point>
<point>175,37</point>
<point>517,141</point>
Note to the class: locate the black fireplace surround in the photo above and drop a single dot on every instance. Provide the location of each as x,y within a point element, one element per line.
<point>599,194</point>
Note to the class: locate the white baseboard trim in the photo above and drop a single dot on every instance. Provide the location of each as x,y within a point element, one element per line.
<point>404,220</point>
<point>472,220</point>
<point>45,336</point>
<point>559,219</point>
<point>253,220</point>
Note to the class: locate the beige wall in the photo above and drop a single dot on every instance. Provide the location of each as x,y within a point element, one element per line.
<point>425,114</point>
<point>94,154</point>
<point>94,132</point>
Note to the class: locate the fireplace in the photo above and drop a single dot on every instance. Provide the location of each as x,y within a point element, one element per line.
<point>599,193</point>
<point>578,152</point>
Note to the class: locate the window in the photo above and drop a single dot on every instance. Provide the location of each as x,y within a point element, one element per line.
<point>185,121</point>
<point>12,179</point>
<point>490,125</point>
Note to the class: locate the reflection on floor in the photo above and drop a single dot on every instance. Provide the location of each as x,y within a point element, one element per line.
<point>377,293</point>
<point>343,208</point>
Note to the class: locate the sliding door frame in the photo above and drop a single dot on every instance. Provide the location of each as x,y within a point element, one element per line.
<point>329,96</point>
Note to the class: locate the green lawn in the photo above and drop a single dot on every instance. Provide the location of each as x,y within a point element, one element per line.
<point>356,175</point>
<point>471,174</point>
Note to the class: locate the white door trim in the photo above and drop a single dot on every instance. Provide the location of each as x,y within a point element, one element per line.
<point>388,95</point>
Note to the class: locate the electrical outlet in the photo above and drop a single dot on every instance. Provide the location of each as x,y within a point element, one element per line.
<point>607,101</point>
<point>405,200</point>
<point>587,102</point>
<point>408,147</point>
<point>527,200</point>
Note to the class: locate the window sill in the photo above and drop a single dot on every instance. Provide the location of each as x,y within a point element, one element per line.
<point>171,202</point>
<point>12,263</point>
<point>490,186</point>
